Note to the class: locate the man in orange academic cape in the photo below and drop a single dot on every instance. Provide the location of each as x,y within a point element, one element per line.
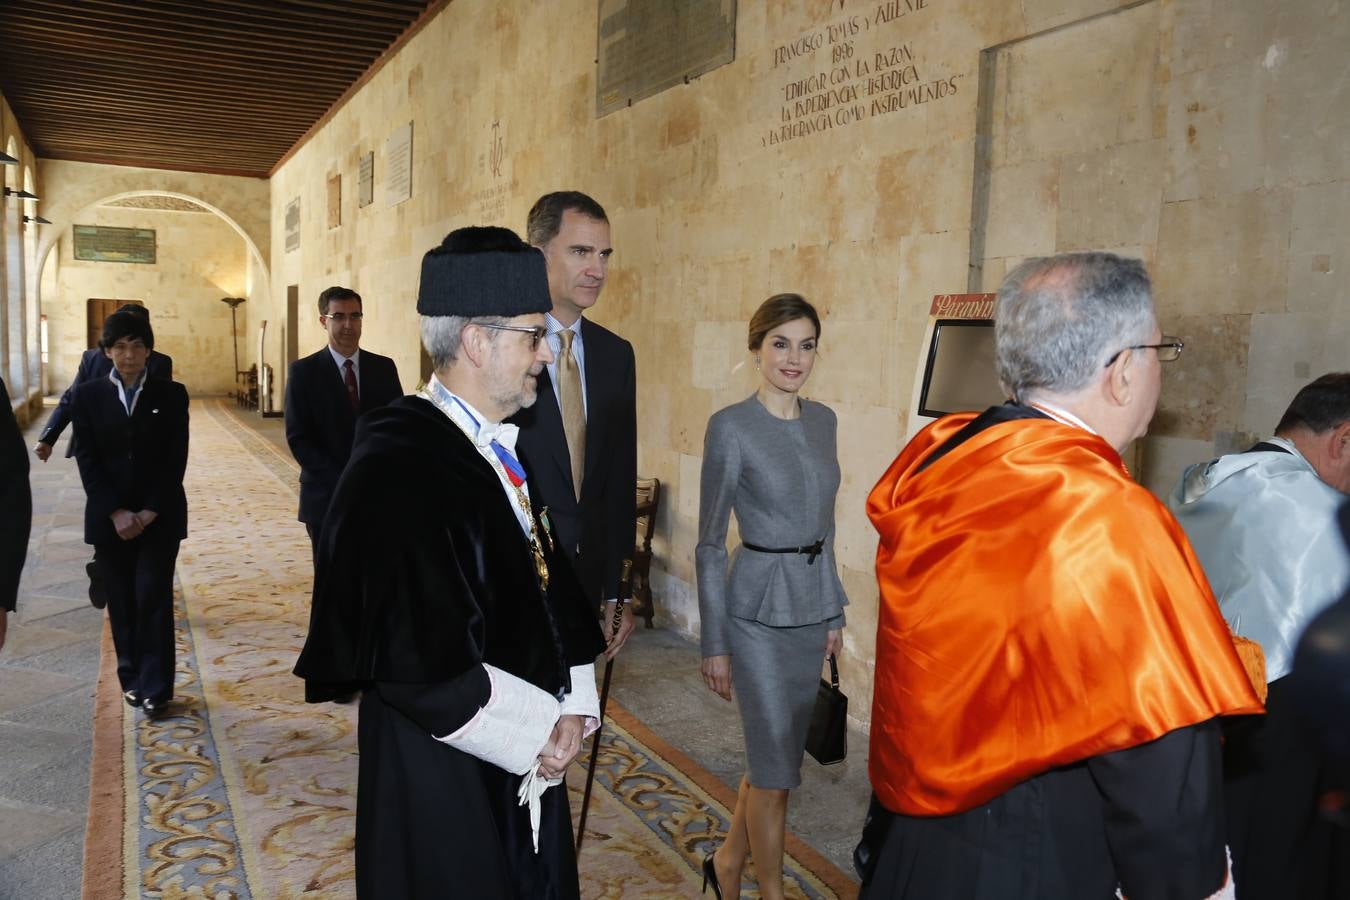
<point>1050,659</point>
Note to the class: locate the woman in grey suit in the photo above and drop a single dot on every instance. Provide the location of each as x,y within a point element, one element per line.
<point>770,616</point>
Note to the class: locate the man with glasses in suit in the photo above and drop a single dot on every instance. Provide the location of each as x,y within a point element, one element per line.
<point>325,394</point>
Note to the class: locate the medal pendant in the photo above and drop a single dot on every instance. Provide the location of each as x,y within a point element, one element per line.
<point>540,566</point>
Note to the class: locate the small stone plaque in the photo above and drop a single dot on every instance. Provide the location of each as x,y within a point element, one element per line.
<point>103,243</point>
<point>335,200</point>
<point>398,156</point>
<point>365,180</point>
<point>646,46</point>
<point>293,225</point>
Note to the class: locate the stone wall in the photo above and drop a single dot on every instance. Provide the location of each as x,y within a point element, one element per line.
<point>20,359</point>
<point>199,260</point>
<point>870,155</point>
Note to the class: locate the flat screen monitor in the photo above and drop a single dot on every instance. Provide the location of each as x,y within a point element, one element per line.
<point>960,374</point>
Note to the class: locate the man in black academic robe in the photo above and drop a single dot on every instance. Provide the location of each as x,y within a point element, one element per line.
<point>477,671</point>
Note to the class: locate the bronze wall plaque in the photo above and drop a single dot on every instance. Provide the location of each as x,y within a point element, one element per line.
<point>104,243</point>
<point>646,46</point>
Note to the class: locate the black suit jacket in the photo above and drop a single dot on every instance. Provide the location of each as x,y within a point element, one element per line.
<point>320,424</point>
<point>94,364</point>
<point>131,462</point>
<point>16,499</point>
<point>598,531</point>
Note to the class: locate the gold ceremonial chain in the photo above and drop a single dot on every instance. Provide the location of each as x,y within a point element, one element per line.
<point>540,564</point>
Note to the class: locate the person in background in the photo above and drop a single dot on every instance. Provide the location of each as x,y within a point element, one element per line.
<point>1050,660</point>
<point>16,499</point>
<point>94,364</point>
<point>131,444</point>
<point>1263,523</point>
<point>773,613</point>
<point>325,394</point>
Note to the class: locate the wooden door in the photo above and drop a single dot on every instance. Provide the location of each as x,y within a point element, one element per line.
<point>97,310</point>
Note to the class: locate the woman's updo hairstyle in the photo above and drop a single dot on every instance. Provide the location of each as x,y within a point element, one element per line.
<point>779,310</point>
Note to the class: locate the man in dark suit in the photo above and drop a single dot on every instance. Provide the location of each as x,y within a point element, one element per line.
<point>131,444</point>
<point>94,364</point>
<point>16,499</point>
<point>325,393</point>
<point>579,441</point>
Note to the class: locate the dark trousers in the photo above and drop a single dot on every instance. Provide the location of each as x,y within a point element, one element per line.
<point>313,532</point>
<point>138,578</point>
<point>1275,772</point>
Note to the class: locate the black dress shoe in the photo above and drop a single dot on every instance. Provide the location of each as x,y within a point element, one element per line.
<point>132,698</point>
<point>710,875</point>
<point>98,596</point>
<point>155,708</point>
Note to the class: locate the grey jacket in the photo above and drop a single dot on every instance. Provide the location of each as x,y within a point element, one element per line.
<point>780,477</point>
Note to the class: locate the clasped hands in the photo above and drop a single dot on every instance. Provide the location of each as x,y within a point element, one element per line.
<point>130,524</point>
<point>563,746</point>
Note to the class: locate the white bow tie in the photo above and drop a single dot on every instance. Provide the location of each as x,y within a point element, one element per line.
<point>504,434</point>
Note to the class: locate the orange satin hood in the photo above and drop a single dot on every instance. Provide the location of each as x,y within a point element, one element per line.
<point>1038,607</point>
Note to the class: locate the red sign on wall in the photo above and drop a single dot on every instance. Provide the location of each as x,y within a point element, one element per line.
<point>962,306</point>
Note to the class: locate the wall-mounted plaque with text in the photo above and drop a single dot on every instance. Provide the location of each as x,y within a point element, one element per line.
<point>646,46</point>
<point>334,200</point>
<point>103,243</point>
<point>398,166</point>
<point>365,180</point>
<point>293,225</point>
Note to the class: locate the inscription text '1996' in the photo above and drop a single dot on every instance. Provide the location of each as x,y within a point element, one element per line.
<point>857,70</point>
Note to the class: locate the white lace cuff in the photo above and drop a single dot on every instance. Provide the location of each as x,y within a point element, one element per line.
<point>582,700</point>
<point>511,729</point>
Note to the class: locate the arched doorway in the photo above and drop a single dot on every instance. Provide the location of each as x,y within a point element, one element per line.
<point>200,255</point>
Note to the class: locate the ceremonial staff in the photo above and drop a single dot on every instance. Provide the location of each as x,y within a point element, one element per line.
<point>615,624</point>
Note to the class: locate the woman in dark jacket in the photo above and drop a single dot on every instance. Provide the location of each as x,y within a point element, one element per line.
<point>131,445</point>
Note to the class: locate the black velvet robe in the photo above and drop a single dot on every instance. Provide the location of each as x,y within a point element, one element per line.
<point>424,573</point>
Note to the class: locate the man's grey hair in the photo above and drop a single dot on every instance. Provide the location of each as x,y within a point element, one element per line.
<point>442,336</point>
<point>1058,319</point>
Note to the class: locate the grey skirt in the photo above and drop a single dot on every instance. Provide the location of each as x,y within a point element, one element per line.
<point>774,673</point>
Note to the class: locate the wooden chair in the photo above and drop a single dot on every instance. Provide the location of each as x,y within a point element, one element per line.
<point>246,395</point>
<point>648,502</point>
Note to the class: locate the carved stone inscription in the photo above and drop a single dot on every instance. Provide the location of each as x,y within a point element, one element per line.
<point>646,46</point>
<point>861,65</point>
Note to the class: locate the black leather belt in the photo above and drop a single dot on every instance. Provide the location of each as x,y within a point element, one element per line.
<point>811,551</point>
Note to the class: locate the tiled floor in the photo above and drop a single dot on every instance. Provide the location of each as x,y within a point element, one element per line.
<point>47,673</point>
<point>50,661</point>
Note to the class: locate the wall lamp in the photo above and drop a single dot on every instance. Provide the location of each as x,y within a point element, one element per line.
<point>37,220</point>
<point>7,160</point>
<point>22,195</point>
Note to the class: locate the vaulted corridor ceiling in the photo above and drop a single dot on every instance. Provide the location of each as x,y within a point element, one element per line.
<point>227,86</point>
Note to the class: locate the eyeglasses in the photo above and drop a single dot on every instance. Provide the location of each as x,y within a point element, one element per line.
<point>536,332</point>
<point>343,317</point>
<point>1168,350</point>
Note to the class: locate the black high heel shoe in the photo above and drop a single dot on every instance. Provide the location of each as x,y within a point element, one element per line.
<point>710,874</point>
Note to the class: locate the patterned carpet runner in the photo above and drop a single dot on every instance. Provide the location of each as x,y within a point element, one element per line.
<point>245,791</point>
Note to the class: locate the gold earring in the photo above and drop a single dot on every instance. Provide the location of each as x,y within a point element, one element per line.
<point>756,362</point>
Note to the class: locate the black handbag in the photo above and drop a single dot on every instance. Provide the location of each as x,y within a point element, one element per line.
<point>827,738</point>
